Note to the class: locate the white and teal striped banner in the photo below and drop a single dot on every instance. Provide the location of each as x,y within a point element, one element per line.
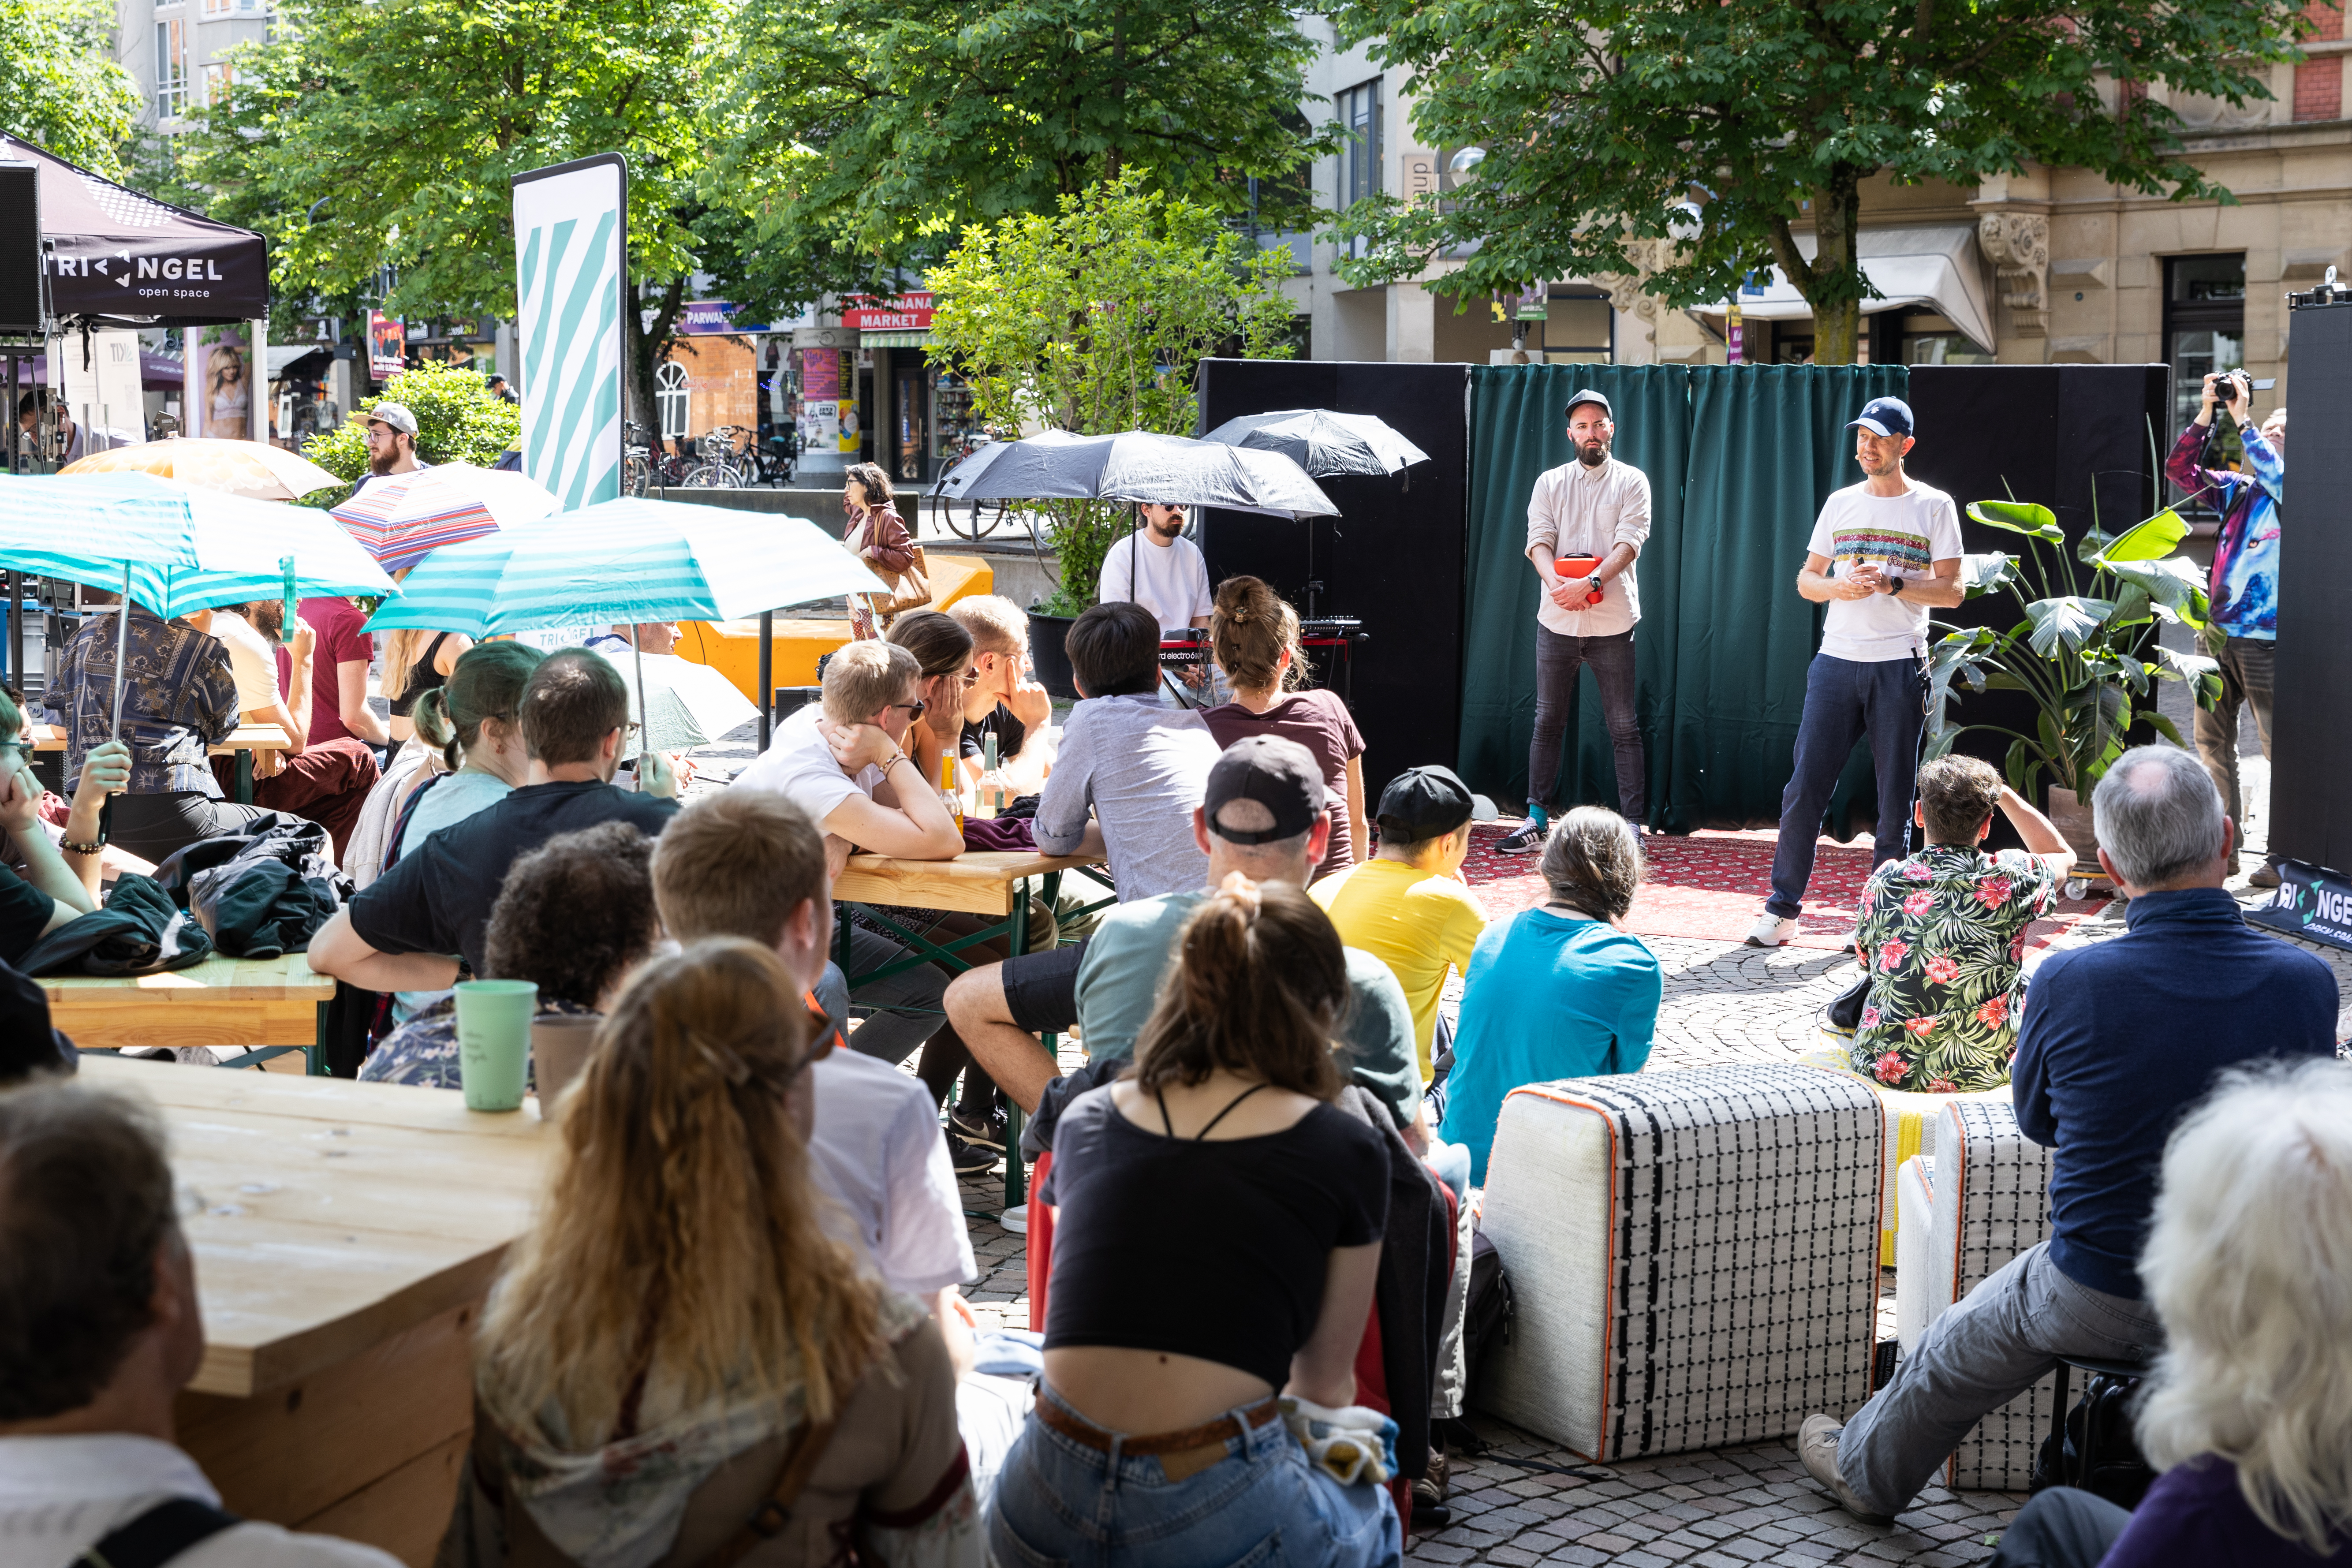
<point>572,237</point>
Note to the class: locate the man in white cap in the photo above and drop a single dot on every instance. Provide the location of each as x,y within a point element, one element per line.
<point>1884,553</point>
<point>391,443</point>
<point>1586,521</point>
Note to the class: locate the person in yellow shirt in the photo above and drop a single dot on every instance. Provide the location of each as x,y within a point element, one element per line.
<point>1407,906</point>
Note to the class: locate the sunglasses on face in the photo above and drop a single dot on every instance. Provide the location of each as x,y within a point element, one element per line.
<point>914,710</point>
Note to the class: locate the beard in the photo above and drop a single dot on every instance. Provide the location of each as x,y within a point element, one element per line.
<point>1593,454</point>
<point>382,466</point>
<point>1167,531</point>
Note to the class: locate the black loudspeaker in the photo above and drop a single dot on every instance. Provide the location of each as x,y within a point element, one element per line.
<point>1392,559</point>
<point>2310,743</point>
<point>21,283</point>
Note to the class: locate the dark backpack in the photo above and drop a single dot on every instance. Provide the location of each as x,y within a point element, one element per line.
<point>1486,1318</point>
<point>157,1536</point>
<point>2097,1447</point>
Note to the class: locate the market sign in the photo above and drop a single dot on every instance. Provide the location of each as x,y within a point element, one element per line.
<point>907,313</point>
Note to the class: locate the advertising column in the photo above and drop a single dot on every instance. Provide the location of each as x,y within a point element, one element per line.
<point>829,415</point>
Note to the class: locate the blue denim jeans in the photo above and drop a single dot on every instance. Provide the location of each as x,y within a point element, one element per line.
<point>1846,700</point>
<point>1060,1502</point>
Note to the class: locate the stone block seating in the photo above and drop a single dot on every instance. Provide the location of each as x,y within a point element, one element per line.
<point>1693,1255</point>
<point>1980,1201</point>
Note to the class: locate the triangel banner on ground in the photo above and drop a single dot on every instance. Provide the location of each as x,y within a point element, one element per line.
<point>571,243</point>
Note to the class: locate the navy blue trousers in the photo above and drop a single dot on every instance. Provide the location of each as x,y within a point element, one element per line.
<point>1846,700</point>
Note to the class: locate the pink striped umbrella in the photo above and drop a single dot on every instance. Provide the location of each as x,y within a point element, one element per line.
<point>402,518</point>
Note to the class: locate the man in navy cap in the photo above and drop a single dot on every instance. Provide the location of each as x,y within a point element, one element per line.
<point>1884,553</point>
<point>1594,513</point>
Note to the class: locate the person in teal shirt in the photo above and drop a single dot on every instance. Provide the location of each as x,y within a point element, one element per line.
<point>1556,992</point>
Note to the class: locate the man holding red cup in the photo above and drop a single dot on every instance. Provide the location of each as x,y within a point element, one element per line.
<point>1587,520</point>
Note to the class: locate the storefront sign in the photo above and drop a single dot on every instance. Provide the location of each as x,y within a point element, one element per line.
<point>907,313</point>
<point>2313,903</point>
<point>711,318</point>
<point>387,345</point>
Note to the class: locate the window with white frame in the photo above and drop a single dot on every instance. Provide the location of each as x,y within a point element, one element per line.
<point>1359,153</point>
<point>170,68</point>
<point>218,75</point>
<point>670,397</point>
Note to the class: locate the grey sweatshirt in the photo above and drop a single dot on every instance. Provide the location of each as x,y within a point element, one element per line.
<point>1141,767</point>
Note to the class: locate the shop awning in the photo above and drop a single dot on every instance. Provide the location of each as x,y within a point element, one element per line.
<point>894,339</point>
<point>122,259</point>
<point>1937,267</point>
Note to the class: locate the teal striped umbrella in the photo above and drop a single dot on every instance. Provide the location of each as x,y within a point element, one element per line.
<point>625,561</point>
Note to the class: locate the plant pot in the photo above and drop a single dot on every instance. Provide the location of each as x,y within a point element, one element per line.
<point>2072,817</point>
<point>1048,658</point>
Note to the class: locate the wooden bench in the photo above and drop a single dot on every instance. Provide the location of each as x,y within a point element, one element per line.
<point>266,1003</point>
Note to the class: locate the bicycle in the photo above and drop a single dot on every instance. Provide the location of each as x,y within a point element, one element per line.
<point>720,468</point>
<point>771,462</point>
<point>643,467</point>
<point>972,527</point>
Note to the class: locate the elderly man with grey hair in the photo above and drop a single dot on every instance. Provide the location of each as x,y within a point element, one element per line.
<point>2119,1039</point>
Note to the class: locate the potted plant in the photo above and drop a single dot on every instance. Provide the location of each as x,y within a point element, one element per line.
<point>2075,652</point>
<point>1093,320</point>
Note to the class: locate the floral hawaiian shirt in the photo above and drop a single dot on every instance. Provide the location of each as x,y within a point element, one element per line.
<point>1944,935</point>
<point>178,698</point>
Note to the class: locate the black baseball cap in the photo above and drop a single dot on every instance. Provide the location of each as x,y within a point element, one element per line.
<point>1886,416</point>
<point>1421,803</point>
<point>1588,396</point>
<point>1280,776</point>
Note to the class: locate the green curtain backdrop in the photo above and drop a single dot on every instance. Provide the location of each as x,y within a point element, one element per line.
<point>1739,463</point>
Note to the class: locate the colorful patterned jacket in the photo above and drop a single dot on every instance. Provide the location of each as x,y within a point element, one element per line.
<point>2245,584</point>
<point>178,698</point>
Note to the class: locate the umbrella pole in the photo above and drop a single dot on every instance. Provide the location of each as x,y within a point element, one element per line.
<point>122,644</point>
<point>767,676</point>
<point>644,714</point>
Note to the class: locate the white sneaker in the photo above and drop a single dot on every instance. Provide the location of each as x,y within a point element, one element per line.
<point>1817,1449</point>
<point>1771,930</point>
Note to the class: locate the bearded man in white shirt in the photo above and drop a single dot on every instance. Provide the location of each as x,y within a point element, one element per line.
<point>1586,521</point>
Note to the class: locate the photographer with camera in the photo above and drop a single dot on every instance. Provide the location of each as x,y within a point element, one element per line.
<point>2243,588</point>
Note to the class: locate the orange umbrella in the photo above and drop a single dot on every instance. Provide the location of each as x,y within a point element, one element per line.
<point>254,469</point>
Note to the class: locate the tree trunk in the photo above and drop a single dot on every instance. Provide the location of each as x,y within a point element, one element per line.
<point>645,345</point>
<point>1836,294</point>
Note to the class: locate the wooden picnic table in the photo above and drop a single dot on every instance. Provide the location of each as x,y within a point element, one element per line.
<point>991,883</point>
<point>242,743</point>
<point>344,1235</point>
<point>224,1001</point>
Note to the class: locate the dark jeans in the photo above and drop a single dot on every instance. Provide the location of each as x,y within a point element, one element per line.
<point>1558,658</point>
<point>2061,1528</point>
<point>1844,701</point>
<point>2245,683</point>
<point>153,826</point>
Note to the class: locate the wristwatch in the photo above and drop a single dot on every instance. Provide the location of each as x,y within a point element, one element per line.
<point>1894,586</point>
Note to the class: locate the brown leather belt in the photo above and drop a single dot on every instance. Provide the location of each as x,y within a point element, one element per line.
<point>1162,1444</point>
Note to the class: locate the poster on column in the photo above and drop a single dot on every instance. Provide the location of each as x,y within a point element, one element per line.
<point>219,386</point>
<point>97,378</point>
<point>572,236</point>
<point>820,398</point>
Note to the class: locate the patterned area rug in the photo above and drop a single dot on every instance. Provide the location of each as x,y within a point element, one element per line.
<point>1712,885</point>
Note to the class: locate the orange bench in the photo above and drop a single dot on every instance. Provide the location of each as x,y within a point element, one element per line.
<point>732,647</point>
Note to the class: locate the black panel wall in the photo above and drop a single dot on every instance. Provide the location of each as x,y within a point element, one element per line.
<point>2062,435</point>
<point>2311,747</point>
<point>1392,558</point>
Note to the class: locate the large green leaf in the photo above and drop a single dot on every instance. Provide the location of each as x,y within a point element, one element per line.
<point>2150,541</point>
<point>2132,608</point>
<point>2019,517</point>
<point>2203,674</point>
<point>2070,618</point>
<point>2175,586</point>
<point>1983,573</point>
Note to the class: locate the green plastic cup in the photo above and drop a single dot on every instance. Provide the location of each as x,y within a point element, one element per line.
<point>494,1040</point>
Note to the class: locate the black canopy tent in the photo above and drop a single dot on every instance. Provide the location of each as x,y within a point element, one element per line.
<point>117,258</point>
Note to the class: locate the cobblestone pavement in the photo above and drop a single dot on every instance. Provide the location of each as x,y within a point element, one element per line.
<point>1726,1508</point>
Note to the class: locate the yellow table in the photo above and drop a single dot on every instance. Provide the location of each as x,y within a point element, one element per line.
<point>732,647</point>
<point>242,743</point>
<point>270,1004</point>
<point>993,883</point>
<point>344,1235</point>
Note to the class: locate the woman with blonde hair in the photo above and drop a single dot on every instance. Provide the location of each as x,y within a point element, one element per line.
<point>415,662</point>
<point>1253,636</point>
<point>1218,1235</point>
<point>2248,1410</point>
<point>679,1348</point>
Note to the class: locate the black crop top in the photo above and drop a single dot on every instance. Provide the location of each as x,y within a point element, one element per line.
<point>422,678</point>
<point>1211,1250</point>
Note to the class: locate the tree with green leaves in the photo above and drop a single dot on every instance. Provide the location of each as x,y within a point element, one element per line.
<point>457,421</point>
<point>1095,320</point>
<point>60,88</point>
<point>1611,127</point>
<point>370,135</point>
<point>873,132</point>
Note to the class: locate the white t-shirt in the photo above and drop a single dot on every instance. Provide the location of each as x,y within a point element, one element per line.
<point>250,659</point>
<point>60,1496</point>
<point>878,1150</point>
<point>1172,584</point>
<point>800,766</point>
<point>1904,535</point>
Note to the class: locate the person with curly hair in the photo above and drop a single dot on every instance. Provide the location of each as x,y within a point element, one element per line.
<point>576,916</point>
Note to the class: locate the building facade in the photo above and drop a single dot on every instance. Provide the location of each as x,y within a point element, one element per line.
<point>2053,266</point>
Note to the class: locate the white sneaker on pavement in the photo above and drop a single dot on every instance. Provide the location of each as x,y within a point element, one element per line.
<point>1817,1447</point>
<point>1770,930</point>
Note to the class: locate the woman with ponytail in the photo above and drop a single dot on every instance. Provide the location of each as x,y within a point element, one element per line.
<point>680,1344</point>
<point>1253,636</point>
<point>1218,1235</point>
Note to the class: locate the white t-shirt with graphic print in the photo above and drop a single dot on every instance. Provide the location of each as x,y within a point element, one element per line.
<point>1903,535</point>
